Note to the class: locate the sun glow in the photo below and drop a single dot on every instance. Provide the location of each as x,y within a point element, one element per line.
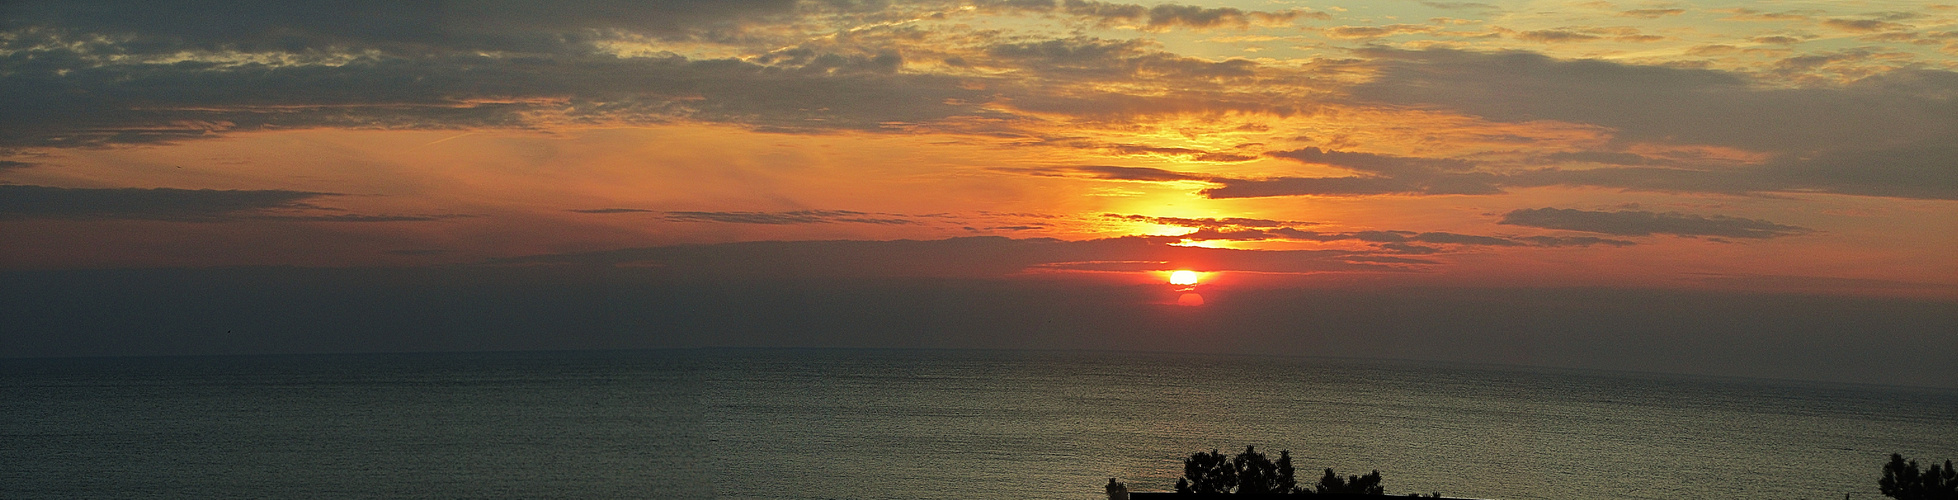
<point>1184,278</point>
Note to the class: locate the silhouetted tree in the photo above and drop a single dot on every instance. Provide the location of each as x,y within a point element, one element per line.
<point>1207,473</point>
<point>1251,473</point>
<point>1286,483</point>
<point>1117,491</point>
<point>1904,481</point>
<point>1248,472</point>
<point>1360,485</point>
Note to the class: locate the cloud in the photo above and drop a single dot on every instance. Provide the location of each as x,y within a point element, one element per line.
<point>1144,150</point>
<point>612,210</point>
<point>356,218</point>
<point>1241,229</point>
<point>1928,171</point>
<point>1075,52</point>
<point>1384,174</point>
<point>1209,223</point>
<point>1432,184</point>
<point>1912,171</point>
<point>790,217</point>
<point>1462,6</point>
<point>1667,104</point>
<point>1641,223</point>
<point>1106,172</point>
<point>1316,186</point>
<point>1135,174</point>
<point>1573,241</point>
<point>1388,165</point>
<point>1405,248</point>
<point>1378,31</point>
<point>1754,15</point>
<point>1439,238</point>
<point>1556,36</point>
<point>1863,25</point>
<point>20,202</point>
<point>1193,154</point>
<point>969,257</point>
<point>1888,134</point>
<point>394,26</point>
<point>75,85</point>
<point>1090,59</point>
<point>1652,13</point>
<point>1462,239</point>
<point>1159,17</point>
<point>187,205</point>
<point>1919,172</point>
<point>113,104</point>
<point>1417,177</point>
<point>69,88</point>
<point>1171,15</point>
<point>149,74</point>
<point>1606,157</point>
<point>6,165</point>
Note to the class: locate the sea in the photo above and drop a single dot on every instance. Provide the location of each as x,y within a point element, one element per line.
<point>925,424</point>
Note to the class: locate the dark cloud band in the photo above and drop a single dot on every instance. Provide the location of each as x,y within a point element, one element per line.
<point>194,205</point>
<point>790,217</point>
<point>1642,223</point>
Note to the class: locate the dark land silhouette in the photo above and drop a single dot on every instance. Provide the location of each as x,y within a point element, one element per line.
<point>1902,480</point>
<point>1253,475</point>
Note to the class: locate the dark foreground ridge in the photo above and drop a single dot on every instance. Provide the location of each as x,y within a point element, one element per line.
<point>1251,475</point>
<point>1274,496</point>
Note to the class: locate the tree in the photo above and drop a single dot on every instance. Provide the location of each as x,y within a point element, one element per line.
<point>1248,472</point>
<point>1251,473</point>
<point>1904,481</point>
<point>1359,485</point>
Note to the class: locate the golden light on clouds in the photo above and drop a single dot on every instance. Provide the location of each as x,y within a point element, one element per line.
<point>1498,139</point>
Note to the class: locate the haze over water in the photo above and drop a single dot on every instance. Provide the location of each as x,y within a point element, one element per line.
<point>888,424</point>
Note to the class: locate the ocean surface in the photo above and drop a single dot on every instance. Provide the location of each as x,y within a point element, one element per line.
<point>896,424</point>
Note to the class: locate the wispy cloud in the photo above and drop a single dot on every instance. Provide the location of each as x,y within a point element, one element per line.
<point>1244,229</point>
<point>1209,223</point>
<point>976,257</point>
<point>789,217</point>
<point>1652,13</point>
<point>1642,223</point>
<point>188,205</point>
<point>19,202</point>
<point>612,210</point>
<point>1107,172</point>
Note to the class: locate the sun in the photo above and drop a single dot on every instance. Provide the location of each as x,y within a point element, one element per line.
<point>1185,278</point>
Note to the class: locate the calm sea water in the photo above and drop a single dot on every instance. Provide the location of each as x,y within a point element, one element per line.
<point>921,424</point>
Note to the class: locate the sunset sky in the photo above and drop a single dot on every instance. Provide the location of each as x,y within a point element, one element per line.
<point>1793,152</point>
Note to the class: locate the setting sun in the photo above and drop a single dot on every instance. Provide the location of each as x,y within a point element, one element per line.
<point>1185,278</point>
<point>895,248</point>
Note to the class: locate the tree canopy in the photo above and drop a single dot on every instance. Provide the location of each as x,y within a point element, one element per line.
<point>1248,472</point>
<point>1251,472</point>
<point>1356,485</point>
<point>1904,481</point>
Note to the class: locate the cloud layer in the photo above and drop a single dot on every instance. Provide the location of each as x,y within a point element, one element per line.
<point>969,257</point>
<point>1641,223</point>
<point>187,205</point>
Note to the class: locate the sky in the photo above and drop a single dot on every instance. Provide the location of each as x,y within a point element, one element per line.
<point>1745,188</point>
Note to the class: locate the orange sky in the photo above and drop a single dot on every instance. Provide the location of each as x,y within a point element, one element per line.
<point>1769,146</point>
